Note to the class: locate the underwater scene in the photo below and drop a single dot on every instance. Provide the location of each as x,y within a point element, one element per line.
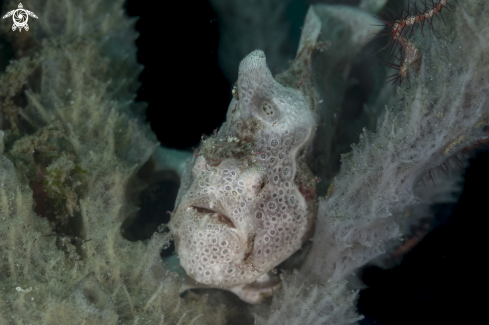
<point>242,162</point>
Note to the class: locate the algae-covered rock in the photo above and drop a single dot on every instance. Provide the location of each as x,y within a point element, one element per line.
<point>73,142</point>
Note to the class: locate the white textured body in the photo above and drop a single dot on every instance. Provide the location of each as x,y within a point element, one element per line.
<point>245,203</point>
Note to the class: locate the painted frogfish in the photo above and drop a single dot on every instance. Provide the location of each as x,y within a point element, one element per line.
<point>247,200</point>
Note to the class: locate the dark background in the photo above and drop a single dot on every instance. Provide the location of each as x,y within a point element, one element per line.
<point>442,280</point>
<point>182,83</point>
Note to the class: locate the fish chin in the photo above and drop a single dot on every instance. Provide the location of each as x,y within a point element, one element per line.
<point>209,245</point>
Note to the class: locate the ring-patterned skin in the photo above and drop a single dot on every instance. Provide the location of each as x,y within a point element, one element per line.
<point>247,200</point>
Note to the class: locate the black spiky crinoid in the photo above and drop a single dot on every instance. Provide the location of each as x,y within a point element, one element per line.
<point>399,27</point>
